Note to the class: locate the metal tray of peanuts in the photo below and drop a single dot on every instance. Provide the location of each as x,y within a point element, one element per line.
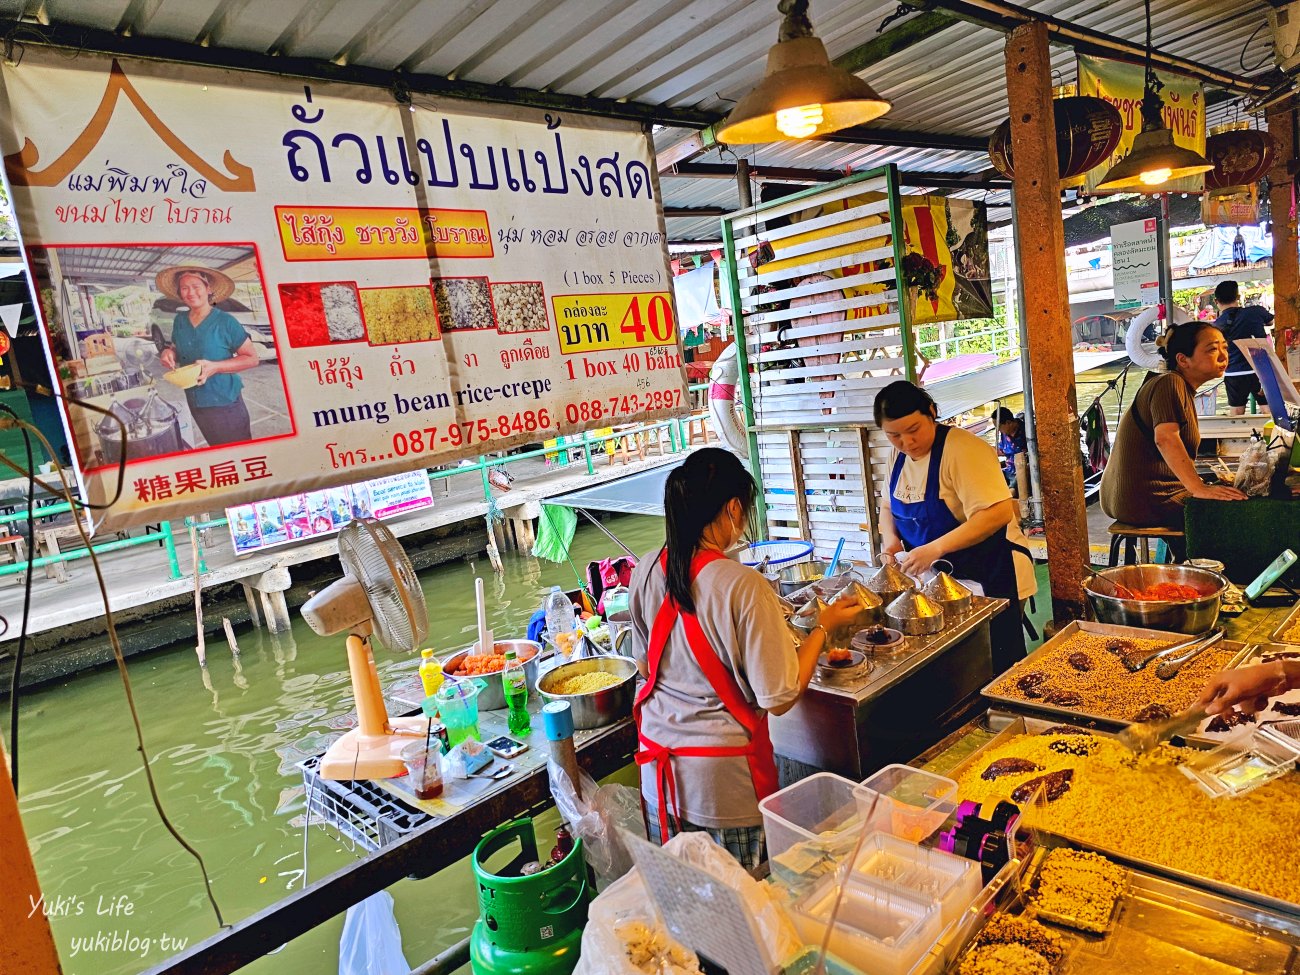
<point>1160,925</point>
<point>1237,822</point>
<point>1079,674</point>
<point>1289,631</point>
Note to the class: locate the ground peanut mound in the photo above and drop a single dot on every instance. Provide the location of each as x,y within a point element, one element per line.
<point>1147,809</point>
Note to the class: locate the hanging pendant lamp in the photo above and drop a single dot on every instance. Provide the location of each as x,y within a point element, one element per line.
<point>802,94</point>
<point>1155,158</point>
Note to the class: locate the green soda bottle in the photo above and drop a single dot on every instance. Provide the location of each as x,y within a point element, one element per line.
<point>515,683</point>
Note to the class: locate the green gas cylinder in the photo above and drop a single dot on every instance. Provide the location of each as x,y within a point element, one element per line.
<point>528,925</point>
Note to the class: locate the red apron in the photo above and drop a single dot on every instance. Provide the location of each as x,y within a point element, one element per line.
<point>762,766</point>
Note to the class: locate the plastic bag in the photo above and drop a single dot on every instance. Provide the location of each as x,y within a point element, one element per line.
<point>371,942</point>
<point>624,935</point>
<point>1254,470</point>
<point>596,818</point>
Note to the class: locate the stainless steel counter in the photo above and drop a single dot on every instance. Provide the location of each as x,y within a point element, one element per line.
<point>853,726</point>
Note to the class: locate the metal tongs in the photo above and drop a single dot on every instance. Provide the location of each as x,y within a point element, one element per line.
<point>1168,667</point>
<point>1193,645</point>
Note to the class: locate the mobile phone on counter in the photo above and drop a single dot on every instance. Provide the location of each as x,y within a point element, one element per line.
<point>1265,579</point>
<point>504,746</point>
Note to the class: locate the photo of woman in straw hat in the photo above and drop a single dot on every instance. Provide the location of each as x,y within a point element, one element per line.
<point>214,341</point>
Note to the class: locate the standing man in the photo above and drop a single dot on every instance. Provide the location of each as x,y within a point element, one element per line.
<point>1238,322</point>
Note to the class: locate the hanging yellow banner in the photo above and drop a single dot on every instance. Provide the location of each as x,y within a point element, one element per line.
<point>1121,84</point>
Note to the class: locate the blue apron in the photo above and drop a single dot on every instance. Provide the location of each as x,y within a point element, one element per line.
<point>988,562</point>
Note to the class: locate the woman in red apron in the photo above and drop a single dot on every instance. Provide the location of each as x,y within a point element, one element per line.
<point>717,657</point>
<point>960,511</point>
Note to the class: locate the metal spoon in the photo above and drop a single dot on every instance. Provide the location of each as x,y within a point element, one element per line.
<point>1117,590</point>
<point>1141,737</point>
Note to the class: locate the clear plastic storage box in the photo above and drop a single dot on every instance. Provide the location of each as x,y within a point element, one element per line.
<point>1244,764</point>
<point>819,811</point>
<point>953,881</point>
<point>880,928</point>
<point>906,802</point>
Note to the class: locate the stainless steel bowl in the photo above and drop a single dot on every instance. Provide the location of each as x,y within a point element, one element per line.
<point>493,697</point>
<point>1178,616</point>
<point>603,707</point>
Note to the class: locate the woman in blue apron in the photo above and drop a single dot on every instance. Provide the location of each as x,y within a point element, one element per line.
<point>948,500</point>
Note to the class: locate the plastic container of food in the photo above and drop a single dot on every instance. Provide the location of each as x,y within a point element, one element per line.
<point>821,808</point>
<point>953,881</point>
<point>880,928</point>
<point>1244,764</point>
<point>906,802</point>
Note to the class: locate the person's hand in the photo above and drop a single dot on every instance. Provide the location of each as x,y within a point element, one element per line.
<point>1218,492</point>
<point>168,357</point>
<point>206,370</point>
<point>892,546</point>
<point>920,559</point>
<point>1246,688</point>
<point>841,613</point>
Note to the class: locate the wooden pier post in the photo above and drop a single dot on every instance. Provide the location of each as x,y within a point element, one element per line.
<point>1041,245</point>
<point>1286,259</point>
<point>272,585</point>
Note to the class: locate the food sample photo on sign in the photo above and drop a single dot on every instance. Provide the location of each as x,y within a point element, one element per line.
<point>346,289</point>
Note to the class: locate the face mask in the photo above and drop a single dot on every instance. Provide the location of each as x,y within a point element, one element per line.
<point>741,543</point>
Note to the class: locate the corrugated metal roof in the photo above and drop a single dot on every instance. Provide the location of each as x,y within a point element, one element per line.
<point>700,54</point>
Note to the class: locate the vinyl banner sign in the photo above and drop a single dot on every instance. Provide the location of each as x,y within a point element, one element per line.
<point>1121,84</point>
<point>279,288</point>
<point>278,521</point>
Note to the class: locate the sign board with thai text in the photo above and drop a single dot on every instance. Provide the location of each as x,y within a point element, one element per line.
<point>277,288</point>
<point>1135,263</point>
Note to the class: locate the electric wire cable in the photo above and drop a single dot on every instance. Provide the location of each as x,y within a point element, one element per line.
<point>120,659</point>
<point>16,677</point>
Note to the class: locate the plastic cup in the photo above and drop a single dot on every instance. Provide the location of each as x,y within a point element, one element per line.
<point>424,768</point>
<point>458,708</point>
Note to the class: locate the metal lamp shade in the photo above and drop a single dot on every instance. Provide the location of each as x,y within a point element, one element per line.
<point>800,73</point>
<point>1154,149</point>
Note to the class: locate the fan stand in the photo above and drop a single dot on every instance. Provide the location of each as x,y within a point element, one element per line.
<point>371,750</point>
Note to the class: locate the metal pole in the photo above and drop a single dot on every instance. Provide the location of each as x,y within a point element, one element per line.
<point>457,956</point>
<point>1164,262</point>
<point>169,542</point>
<point>742,367</point>
<point>743,189</point>
<point>1035,494</point>
<point>586,452</point>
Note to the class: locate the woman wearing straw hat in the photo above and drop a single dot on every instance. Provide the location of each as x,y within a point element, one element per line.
<point>214,341</point>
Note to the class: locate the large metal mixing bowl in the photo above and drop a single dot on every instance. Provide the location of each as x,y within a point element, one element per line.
<point>493,697</point>
<point>602,707</point>
<point>1179,616</point>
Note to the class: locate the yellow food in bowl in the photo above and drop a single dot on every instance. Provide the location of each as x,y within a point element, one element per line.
<point>586,683</point>
<point>186,377</point>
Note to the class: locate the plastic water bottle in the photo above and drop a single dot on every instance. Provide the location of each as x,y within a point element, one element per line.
<point>559,614</point>
<point>514,681</point>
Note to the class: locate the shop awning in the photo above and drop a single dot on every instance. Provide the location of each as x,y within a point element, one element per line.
<point>637,494</point>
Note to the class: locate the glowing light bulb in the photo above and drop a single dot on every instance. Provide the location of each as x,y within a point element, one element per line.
<point>1154,177</point>
<point>799,122</point>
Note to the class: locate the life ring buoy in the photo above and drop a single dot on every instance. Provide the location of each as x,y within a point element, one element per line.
<point>1137,326</point>
<point>725,421</point>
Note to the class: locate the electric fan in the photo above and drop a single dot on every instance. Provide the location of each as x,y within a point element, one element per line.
<point>380,594</point>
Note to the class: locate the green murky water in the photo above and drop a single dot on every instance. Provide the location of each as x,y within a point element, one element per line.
<point>224,748</point>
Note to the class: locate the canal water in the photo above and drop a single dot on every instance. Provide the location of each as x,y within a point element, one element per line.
<point>224,747</point>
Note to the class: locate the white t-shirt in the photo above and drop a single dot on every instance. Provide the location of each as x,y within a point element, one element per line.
<point>739,614</point>
<point>970,480</point>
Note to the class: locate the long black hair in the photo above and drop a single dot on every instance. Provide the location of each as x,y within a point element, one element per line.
<point>693,495</point>
<point>1182,340</point>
